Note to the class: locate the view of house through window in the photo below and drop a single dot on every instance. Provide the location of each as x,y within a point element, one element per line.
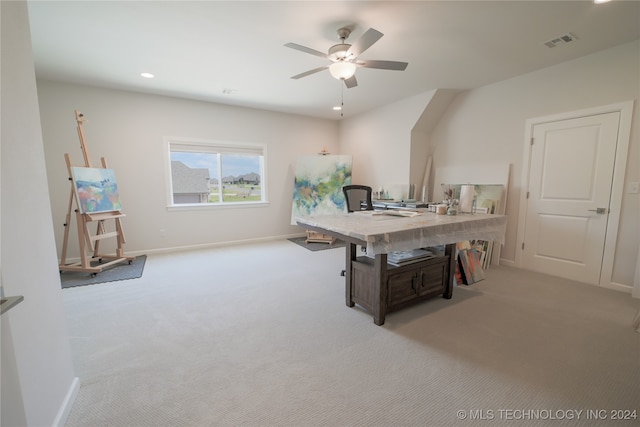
<point>216,173</point>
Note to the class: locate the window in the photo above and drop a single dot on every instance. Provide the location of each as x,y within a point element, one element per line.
<point>215,173</point>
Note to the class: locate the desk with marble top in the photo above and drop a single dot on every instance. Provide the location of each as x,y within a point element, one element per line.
<point>381,288</point>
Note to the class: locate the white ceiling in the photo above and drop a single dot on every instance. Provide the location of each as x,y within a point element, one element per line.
<point>200,49</point>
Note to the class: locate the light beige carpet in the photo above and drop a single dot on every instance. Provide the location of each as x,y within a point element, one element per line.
<point>259,335</point>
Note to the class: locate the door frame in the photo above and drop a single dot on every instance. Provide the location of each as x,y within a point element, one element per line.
<point>617,188</point>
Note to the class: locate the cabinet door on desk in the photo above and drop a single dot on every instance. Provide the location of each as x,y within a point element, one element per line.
<point>403,286</point>
<point>433,278</point>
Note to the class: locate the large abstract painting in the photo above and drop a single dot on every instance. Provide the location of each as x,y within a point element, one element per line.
<point>96,189</point>
<point>318,185</point>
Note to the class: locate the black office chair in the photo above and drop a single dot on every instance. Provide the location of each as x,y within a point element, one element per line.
<point>358,198</point>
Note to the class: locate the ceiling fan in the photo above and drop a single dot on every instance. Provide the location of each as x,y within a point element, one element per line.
<point>344,57</point>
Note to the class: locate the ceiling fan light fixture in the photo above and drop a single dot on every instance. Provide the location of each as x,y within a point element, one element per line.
<point>344,57</point>
<point>342,70</point>
<point>340,52</point>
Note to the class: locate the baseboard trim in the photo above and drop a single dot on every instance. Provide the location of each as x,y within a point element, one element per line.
<point>202,246</point>
<point>214,245</point>
<point>610,285</point>
<point>508,262</point>
<point>618,287</point>
<point>67,404</point>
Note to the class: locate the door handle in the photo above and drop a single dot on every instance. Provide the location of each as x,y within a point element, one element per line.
<point>600,211</point>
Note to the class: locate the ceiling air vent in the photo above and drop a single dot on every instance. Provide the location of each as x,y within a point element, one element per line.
<point>565,38</point>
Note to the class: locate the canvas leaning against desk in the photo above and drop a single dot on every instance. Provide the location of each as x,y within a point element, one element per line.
<point>381,288</point>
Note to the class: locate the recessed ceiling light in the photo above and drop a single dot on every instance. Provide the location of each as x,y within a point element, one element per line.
<point>147,75</point>
<point>337,108</point>
<point>601,1</point>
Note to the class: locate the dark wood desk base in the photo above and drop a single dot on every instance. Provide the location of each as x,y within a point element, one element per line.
<point>381,288</point>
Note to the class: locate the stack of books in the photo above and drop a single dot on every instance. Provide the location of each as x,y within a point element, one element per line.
<point>400,258</point>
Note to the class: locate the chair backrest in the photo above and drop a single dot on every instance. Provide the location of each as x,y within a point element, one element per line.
<point>355,195</point>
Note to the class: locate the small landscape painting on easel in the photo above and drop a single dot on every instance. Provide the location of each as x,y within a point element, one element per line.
<point>96,189</point>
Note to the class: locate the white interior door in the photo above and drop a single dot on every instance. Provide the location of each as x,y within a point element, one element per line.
<point>570,180</point>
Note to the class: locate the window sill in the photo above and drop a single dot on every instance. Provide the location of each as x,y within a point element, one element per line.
<point>216,206</point>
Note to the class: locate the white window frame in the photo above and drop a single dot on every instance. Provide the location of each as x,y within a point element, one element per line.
<point>212,146</point>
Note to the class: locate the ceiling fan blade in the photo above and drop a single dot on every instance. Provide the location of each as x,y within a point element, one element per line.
<point>383,65</point>
<point>351,82</point>
<point>308,73</point>
<point>365,41</point>
<point>306,49</point>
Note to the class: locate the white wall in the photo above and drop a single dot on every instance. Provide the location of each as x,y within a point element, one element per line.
<point>38,383</point>
<point>380,141</point>
<point>487,126</point>
<point>421,147</point>
<point>636,283</point>
<point>128,129</point>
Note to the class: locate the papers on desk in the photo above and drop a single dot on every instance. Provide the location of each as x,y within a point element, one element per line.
<point>396,213</point>
<point>400,258</point>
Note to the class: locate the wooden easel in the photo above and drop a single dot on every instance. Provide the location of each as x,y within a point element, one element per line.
<point>315,236</point>
<point>86,240</point>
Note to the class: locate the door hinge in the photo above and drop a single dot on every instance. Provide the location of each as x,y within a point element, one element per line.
<point>527,194</point>
<point>523,246</point>
<point>532,139</point>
